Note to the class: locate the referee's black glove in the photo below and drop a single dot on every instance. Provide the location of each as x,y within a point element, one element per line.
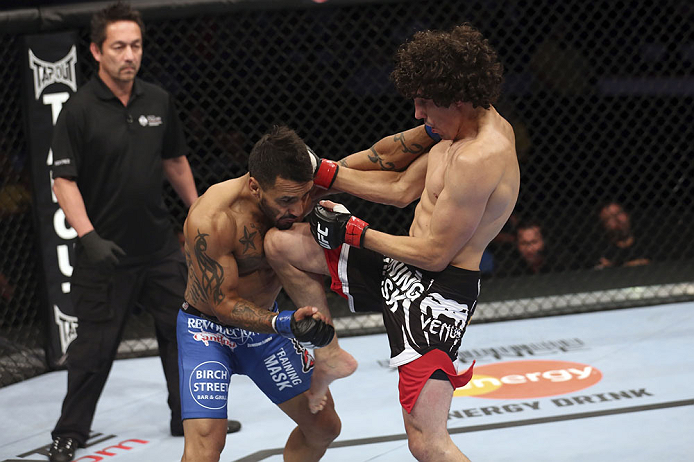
<point>101,252</point>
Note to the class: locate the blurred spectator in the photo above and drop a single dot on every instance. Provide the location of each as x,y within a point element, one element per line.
<point>532,254</point>
<point>622,247</point>
<point>531,247</point>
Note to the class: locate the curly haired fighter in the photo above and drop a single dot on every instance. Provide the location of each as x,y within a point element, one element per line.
<point>229,322</point>
<point>426,284</point>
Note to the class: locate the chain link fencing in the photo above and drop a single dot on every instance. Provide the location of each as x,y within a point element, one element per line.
<point>599,93</point>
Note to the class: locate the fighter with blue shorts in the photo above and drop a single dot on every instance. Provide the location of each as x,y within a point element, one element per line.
<point>211,353</point>
<point>230,324</point>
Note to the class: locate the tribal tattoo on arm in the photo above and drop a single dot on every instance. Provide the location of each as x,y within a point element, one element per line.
<point>207,287</point>
<point>250,317</point>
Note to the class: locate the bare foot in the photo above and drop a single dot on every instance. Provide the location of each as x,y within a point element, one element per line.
<point>332,363</point>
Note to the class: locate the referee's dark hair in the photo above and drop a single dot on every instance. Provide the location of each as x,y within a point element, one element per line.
<point>116,12</point>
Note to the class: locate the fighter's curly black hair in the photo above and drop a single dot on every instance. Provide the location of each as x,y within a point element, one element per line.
<point>448,67</point>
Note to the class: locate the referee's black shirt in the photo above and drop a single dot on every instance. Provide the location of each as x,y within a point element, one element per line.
<point>115,153</point>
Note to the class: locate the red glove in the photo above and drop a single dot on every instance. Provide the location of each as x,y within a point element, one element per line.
<point>324,170</point>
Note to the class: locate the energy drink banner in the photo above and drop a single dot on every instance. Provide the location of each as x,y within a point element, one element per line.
<point>49,79</point>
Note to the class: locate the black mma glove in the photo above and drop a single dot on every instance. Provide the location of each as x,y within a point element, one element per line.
<point>308,331</point>
<point>324,170</point>
<point>101,252</point>
<point>332,228</point>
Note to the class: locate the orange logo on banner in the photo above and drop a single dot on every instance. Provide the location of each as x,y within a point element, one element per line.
<point>529,379</point>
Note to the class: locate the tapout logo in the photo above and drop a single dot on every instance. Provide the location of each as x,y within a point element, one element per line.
<point>529,379</point>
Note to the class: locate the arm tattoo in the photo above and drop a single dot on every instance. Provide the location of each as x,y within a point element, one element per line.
<point>193,291</point>
<point>208,287</point>
<point>414,148</point>
<point>252,318</point>
<point>377,159</point>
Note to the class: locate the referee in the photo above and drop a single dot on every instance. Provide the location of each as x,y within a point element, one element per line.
<point>114,142</point>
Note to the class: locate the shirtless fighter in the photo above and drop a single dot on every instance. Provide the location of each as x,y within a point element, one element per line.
<point>426,284</point>
<point>229,323</point>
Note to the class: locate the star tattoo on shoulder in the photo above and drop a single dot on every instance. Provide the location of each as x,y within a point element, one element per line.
<point>247,239</point>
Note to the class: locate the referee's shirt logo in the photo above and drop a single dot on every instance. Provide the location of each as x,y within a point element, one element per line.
<point>149,120</point>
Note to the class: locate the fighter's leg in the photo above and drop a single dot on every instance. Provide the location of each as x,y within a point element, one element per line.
<point>314,432</point>
<point>300,264</point>
<point>202,366</point>
<point>427,434</point>
<point>204,439</point>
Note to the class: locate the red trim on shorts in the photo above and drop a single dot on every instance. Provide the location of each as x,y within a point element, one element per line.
<point>414,375</point>
<point>332,257</point>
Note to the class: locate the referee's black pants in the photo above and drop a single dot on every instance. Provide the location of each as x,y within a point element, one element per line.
<point>102,302</point>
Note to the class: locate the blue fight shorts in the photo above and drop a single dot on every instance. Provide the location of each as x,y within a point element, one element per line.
<point>209,353</point>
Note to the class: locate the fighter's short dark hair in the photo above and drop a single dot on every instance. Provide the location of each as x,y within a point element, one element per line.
<point>280,153</point>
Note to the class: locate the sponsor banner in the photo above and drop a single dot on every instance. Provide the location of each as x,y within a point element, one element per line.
<point>549,386</point>
<point>617,401</point>
<point>529,379</point>
<point>49,79</point>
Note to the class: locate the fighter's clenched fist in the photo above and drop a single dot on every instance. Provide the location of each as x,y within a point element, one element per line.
<point>332,225</point>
